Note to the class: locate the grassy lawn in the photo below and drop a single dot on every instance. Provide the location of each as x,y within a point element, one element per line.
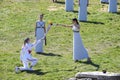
<point>101,36</point>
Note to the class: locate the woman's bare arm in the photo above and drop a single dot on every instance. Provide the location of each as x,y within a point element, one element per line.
<point>35,29</point>
<point>64,25</point>
<point>44,29</point>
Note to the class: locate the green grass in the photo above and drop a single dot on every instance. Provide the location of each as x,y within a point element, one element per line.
<point>100,36</point>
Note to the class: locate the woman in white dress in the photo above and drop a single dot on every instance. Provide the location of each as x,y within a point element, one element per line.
<point>79,51</point>
<point>39,33</point>
<point>26,56</point>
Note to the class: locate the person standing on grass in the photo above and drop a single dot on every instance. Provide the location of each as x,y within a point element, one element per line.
<point>40,30</point>
<point>26,56</point>
<point>79,51</point>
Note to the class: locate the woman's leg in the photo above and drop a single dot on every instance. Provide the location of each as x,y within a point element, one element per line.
<point>33,62</point>
<point>25,66</point>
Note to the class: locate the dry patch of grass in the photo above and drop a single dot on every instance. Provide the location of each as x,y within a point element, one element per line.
<point>104,8</point>
<point>54,8</point>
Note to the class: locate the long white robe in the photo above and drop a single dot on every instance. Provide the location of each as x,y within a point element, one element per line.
<point>26,56</point>
<point>39,34</point>
<point>79,51</point>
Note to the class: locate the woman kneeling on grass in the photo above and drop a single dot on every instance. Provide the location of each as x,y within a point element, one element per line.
<point>79,51</point>
<point>26,56</point>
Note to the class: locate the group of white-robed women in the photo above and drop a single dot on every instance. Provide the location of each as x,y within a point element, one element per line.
<point>25,55</point>
<point>79,51</point>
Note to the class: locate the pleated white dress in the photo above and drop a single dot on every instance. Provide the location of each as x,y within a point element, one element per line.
<point>26,56</point>
<point>39,34</point>
<point>79,51</point>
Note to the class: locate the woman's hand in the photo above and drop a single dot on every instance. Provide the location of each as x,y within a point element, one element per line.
<point>60,25</point>
<point>50,23</point>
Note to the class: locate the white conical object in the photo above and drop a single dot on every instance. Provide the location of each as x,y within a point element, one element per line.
<point>69,4</point>
<point>82,15</point>
<point>112,6</point>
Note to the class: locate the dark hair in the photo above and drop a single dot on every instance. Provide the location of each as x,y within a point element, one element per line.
<point>41,14</point>
<point>75,19</point>
<point>26,40</point>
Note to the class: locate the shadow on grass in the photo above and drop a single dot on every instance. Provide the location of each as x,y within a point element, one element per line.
<point>104,3</point>
<point>93,22</point>
<point>91,63</point>
<point>59,2</point>
<point>37,72</point>
<point>118,13</point>
<point>49,54</point>
<point>118,3</point>
<point>76,11</point>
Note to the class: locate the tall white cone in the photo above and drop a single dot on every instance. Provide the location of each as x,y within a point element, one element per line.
<point>82,15</point>
<point>69,4</point>
<point>112,6</point>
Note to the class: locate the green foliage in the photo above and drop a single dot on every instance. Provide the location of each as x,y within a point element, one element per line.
<point>100,36</point>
